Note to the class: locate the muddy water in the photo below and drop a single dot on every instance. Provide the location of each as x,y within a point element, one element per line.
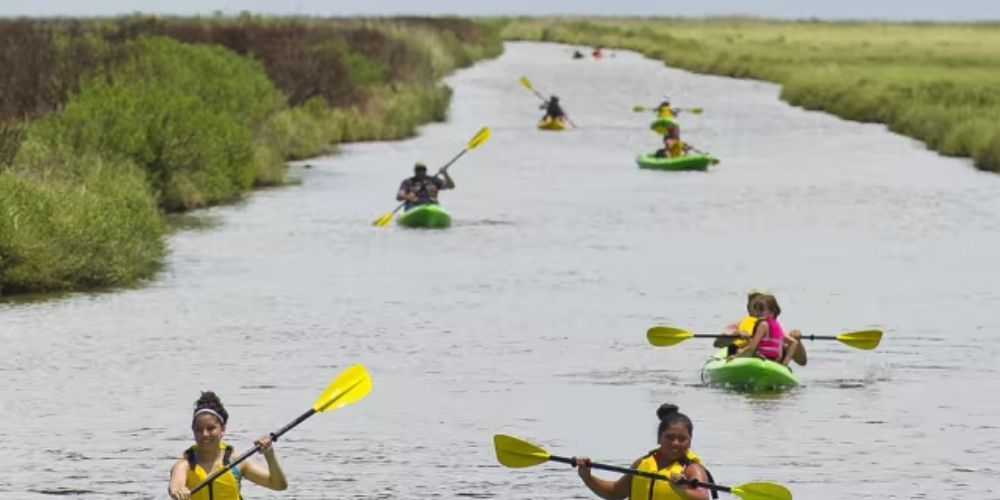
<point>528,316</point>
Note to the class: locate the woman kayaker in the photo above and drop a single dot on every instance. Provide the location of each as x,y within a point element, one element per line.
<point>743,329</point>
<point>672,144</point>
<point>210,453</point>
<point>673,458</point>
<point>768,339</point>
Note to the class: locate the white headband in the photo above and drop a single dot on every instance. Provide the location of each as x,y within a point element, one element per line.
<point>211,411</point>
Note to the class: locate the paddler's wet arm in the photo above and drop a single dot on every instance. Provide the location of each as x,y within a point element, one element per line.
<point>178,480</point>
<point>449,183</point>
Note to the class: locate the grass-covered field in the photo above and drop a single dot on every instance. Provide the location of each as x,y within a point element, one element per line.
<point>939,83</point>
<point>106,125</point>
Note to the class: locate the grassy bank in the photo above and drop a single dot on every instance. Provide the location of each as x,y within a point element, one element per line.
<point>107,125</point>
<point>939,83</point>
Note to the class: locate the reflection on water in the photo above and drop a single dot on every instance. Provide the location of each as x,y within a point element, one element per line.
<point>529,315</point>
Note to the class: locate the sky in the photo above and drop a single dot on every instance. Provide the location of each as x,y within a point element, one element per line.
<point>827,9</point>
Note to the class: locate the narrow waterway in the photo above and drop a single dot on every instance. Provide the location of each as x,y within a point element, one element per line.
<point>528,316</point>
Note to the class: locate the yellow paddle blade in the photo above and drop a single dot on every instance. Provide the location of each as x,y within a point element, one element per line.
<point>351,385</point>
<point>697,111</point>
<point>762,491</point>
<point>482,136</point>
<point>664,336</point>
<point>525,83</point>
<point>638,109</point>
<point>517,453</point>
<point>861,339</point>
<point>383,220</point>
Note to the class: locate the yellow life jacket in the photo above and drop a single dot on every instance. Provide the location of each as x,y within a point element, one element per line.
<point>747,324</point>
<point>665,112</point>
<point>654,489</point>
<point>224,487</point>
<point>677,149</point>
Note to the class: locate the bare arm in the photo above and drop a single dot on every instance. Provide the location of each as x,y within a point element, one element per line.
<point>608,490</point>
<point>177,487</point>
<point>759,333</point>
<point>273,477</point>
<point>449,183</point>
<point>692,471</point>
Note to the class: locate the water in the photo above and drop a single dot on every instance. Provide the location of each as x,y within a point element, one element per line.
<point>529,315</point>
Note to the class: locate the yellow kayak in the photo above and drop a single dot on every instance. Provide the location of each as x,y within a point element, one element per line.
<point>550,124</point>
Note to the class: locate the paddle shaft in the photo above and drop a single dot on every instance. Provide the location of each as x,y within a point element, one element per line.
<point>650,475</point>
<point>274,437</point>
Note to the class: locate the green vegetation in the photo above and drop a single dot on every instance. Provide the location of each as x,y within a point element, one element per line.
<point>109,125</point>
<point>939,83</point>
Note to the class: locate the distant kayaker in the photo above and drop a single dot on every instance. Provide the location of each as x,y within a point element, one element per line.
<point>210,453</point>
<point>665,111</point>
<point>744,330</point>
<point>673,458</point>
<point>422,189</point>
<point>577,54</point>
<point>768,339</point>
<point>553,111</point>
<point>672,144</point>
<point>597,53</point>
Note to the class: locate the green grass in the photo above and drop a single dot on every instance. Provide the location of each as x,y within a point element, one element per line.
<point>939,83</point>
<point>115,124</point>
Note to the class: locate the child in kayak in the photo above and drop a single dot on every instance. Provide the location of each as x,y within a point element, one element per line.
<point>210,453</point>
<point>672,458</point>
<point>768,339</point>
<point>743,330</point>
<point>422,189</point>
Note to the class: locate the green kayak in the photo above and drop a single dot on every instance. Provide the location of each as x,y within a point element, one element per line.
<point>430,216</point>
<point>686,162</point>
<point>753,374</point>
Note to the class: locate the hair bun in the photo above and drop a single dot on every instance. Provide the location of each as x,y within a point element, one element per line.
<point>666,409</point>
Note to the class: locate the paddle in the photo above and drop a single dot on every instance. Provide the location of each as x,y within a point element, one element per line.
<point>526,84</point>
<point>517,453</point>
<point>351,385</point>
<point>479,138</point>
<point>664,336</point>
<point>694,111</point>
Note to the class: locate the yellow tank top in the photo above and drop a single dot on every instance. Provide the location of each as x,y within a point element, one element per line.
<point>650,489</point>
<point>224,487</point>
<point>746,325</point>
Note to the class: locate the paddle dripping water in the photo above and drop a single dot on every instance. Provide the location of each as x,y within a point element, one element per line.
<point>526,316</point>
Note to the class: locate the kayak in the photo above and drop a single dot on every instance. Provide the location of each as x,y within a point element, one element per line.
<point>429,216</point>
<point>660,124</point>
<point>753,374</point>
<point>550,124</point>
<point>686,162</point>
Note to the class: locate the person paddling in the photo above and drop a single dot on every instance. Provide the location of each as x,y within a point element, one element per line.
<point>743,329</point>
<point>673,146</point>
<point>768,340</point>
<point>210,453</point>
<point>553,111</point>
<point>672,458</point>
<point>422,189</point>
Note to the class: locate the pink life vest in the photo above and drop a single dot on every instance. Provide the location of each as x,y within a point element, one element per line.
<point>770,346</point>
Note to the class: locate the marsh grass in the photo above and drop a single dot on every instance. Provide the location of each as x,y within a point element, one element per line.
<point>109,125</point>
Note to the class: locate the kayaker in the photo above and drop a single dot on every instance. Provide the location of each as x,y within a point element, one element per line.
<point>597,53</point>
<point>744,327</point>
<point>673,458</point>
<point>673,146</point>
<point>553,111</point>
<point>577,54</point>
<point>665,111</point>
<point>422,189</point>
<point>768,339</point>
<point>210,453</point>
